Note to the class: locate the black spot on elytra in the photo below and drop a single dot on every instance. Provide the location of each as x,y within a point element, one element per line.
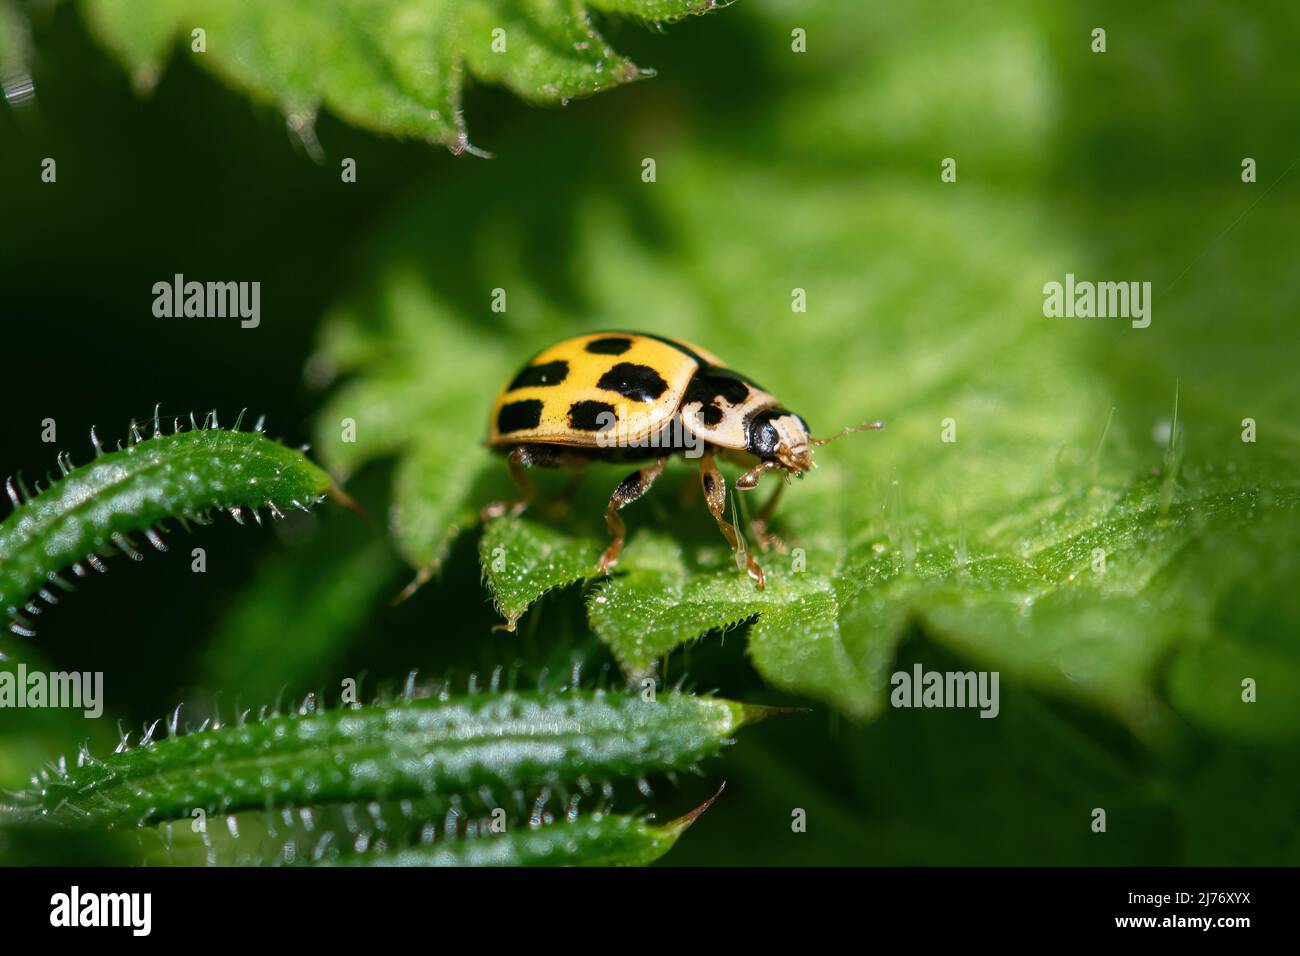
<point>708,484</point>
<point>589,416</point>
<point>548,373</point>
<point>640,383</point>
<point>519,416</point>
<point>615,345</point>
<point>709,384</point>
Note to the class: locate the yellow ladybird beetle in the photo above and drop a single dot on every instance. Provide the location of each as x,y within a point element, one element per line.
<point>629,396</point>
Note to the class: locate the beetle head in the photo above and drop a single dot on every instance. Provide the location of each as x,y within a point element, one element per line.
<point>781,437</point>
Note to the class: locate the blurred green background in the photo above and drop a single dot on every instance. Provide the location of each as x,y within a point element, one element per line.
<point>1122,165</point>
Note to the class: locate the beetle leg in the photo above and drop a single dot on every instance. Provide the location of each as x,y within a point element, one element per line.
<point>749,480</point>
<point>759,525</point>
<point>629,490</point>
<point>715,494</point>
<point>516,460</point>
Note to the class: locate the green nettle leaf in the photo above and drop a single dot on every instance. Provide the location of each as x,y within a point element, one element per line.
<point>486,746</point>
<point>93,510</point>
<point>422,834</point>
<point>1016,507</point>
<point>522,561</point>
<point>437,485</point>
<point>433,497</point>
<point>534,827</point>
<point>394,66</point>
<point>604,840</point>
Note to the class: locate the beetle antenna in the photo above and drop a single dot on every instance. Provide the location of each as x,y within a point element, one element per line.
<point>865,426</point>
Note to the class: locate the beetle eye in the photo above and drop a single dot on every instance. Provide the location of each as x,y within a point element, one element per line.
<point>763,439</point>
